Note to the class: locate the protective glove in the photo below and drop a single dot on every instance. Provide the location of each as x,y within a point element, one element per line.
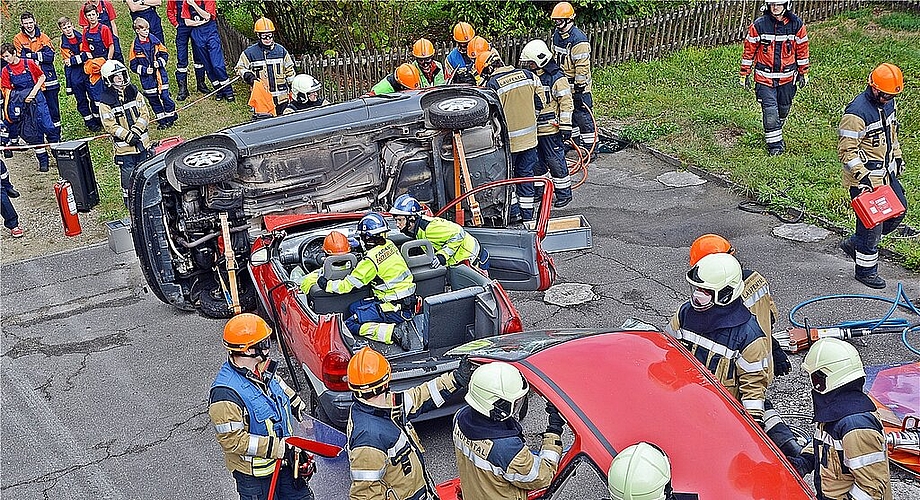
<point>132,138</point>
<point>249,77</point>
<point>463,373</point>
<point>554,426</point>
<point>322,282</point>
<point>306,467</point>
<point>745,81</point>
<point>579,88</point>
<point>299,408</point>
<point>566,133</point>
<point>438,261</point>
<point>872,179</point>
<point>801,80</point>
<point>898,168</point>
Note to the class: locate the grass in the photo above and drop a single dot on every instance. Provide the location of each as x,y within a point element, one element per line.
<point>206,117</point>
<point>690,105</point>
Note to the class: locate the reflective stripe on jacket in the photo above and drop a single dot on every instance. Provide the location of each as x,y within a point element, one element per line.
<point>250,419</point>
<point>573,53</point>
<point>273,65</point>
<point>384,451</point>
<point>384,268</point>
<point>448,239</point>
<point>521,96</point>
<point>141,60</point>
<point>122,111</point>
<point>777,50</point>
<point>557,115</point>
<point>759,301</point>
<point>70,51</point>
<point>867,137</point>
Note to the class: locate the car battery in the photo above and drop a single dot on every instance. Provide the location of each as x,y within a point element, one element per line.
<point>877,206</point>
<point>75,164</point>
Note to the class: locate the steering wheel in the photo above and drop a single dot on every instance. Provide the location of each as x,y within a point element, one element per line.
<point>311,253</point>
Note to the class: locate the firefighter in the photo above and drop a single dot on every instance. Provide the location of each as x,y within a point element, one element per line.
<point>252,409</point>
<point>35,45</point>
<point>452,244</point>
<point>98,42</point>
<point>554,124</point>
<point>106,14</point>
<point>25,113</point>
<point>432,72</point>
<point>477,46</point>
<point>573,53</point>
<point>335,243</point>
<point>76,81</point>
<point>521,96</point>
<point>183,34</point>
<point>406,77</point>
<point>871,155</point>
<point>849,449</point>
<point>383,449</point>
<point>305,94</point>
<point>206,39</point>
<point>458,67</point>
<point>148,58</point>
<point>384,317</point>
<point>776,50</point>
<point>492,456</point>
<point>642,472</point>
<point>268,62</point>
<point>147,10</point>
<point>125,116</point>
<point>725,337</point>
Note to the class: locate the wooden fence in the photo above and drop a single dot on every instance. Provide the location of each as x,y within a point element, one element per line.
<point>703,24</point>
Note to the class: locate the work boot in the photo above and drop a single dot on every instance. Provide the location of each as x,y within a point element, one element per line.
<point>872,281</point>
<point>403,333</point>
<point>849,248</point>
<point>183,91</point>
<point>203,87</point>
<point>12,193</point>
<point>561,202</point>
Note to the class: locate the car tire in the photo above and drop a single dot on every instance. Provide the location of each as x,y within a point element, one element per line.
<point>459,112</point>
<point>207,165</point>
<point>213,304</point>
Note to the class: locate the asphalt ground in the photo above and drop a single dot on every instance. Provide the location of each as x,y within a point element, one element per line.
<point>104,388</point>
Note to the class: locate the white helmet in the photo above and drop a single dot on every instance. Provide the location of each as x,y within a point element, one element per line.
<point>496,390</point>
<point>832,363</point>
<point>302,86</point>
<point>537,52</point>
<point>719,273</point>
<point>111,68</point>
<point>639,472</point>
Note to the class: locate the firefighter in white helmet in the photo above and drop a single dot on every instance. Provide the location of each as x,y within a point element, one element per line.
<point>848,450</point>
<point>642,472</point>
<point>492,457</point>
<point>305,94</point>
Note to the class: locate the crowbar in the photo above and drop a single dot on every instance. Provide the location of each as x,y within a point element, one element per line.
<point>467,182</point>
<point>231,264</point>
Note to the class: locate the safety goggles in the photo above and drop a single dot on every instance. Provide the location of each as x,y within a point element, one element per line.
<point>262,345</point>
<point>266,36</point>
<point>424,61</point>
<point>559,23</point>
<point>884,96</point>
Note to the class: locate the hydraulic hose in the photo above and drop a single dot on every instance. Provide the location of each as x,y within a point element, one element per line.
<point>584,155</point>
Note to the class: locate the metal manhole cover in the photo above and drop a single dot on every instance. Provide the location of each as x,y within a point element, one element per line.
<point>569,294</point>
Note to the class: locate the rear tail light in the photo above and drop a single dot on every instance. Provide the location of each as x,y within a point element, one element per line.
<point>335,366</point>
<point>513,325</point>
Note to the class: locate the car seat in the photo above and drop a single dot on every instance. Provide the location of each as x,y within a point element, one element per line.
<point>418,255</point>
<point>336,267</point>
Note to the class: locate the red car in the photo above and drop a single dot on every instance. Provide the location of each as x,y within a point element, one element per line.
<point>618,388</point>
<point>458,304</point>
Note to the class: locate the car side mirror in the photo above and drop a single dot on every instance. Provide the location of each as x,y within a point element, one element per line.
<point>259,257</point>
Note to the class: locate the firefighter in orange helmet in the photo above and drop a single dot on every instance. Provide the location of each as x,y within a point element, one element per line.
<point>252,411</point>
<point>458,65</point>
<point>334,244</point>
<point>269,62</point>
<point>383,449</point>
<point>573,54</point>
<point>406,77</point>
<point>871,155</point>
<point>431,71</point>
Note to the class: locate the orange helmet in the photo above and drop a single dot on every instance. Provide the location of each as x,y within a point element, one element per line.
<point>887,78</point>
<point>484,59</point>
<point>463,32</point>
<point>476,46</point>
<point>336,243</point>
<point>368,373</point>
<point>423,48</point>
<point>563,10</point>
<point>408,76</point>
<point>244,331</point>
<point>264,25</point>
<point>708,244</point>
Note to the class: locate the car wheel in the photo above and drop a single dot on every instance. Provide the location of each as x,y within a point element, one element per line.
<point>214,305</point>
<point>205,166</point>
<point>458,113</point>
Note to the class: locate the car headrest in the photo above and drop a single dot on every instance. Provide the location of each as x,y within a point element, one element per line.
<point>417,253</point>
<point>336,267</point>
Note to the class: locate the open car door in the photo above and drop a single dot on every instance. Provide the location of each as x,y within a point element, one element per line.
<point>516,258</point>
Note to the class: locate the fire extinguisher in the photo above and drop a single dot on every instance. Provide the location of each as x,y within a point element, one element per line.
<point>63,192</point>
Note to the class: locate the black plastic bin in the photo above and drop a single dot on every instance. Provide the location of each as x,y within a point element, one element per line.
<point>75,165</point>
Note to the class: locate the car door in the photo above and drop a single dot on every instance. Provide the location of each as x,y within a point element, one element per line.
<point>516,258</point>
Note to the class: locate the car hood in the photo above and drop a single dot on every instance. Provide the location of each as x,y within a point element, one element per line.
<point>618,388</point>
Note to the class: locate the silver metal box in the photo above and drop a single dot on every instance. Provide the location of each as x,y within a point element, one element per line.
<point>567,233</point>
<point>119,233</point>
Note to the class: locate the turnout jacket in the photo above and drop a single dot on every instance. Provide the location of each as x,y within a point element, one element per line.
<point>148,59</point>
<point>573,53</point>
<point>383,449</point>
<point>557,115</point>
<point>251,413</point>
<point>494,461</point>
<point>448,238</point>
<point>122,112</point>
<point>521,96</point>
<point>776,50</point>
<point>729,342</point>
<point>39,49</point>
<point>759,301</point>
<point>382,267</point>
<point>72,53</point>
<point>273,65</point>
<point>868,138</point>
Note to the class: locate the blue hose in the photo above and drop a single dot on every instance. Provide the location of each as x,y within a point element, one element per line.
<point>901,299</point>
